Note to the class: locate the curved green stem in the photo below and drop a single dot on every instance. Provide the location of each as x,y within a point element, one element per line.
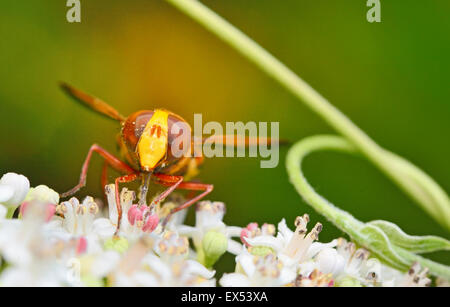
<point>293,163</point>
<point>419,186</point>
<point>380,237</point>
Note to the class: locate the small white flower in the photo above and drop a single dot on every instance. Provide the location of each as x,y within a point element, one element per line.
<point>314,279</point>
<point>31,254</point>
<point>106,227</point>
<point>171,247</point>
<point>94,267</point>
<point>416,277</point>
<point>19,238</point>
<point>209,217</point>
<point>389,277</point>
<point>75,223</point>
<point>350,262</point>
<point>77,218</point>
<point>259,271</point>
<point>293,248</point>
<point>136,221</point>
<point>37,274</point>
<point>168,267</point>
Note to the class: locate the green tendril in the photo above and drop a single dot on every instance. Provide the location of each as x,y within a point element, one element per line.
<point>384,239</point>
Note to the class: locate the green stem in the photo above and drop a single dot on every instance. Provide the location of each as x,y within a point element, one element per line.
<point>294,161</point>
<point>419,186</point>
<point>10,212</point>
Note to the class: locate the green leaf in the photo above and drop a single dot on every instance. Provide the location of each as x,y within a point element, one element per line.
<point>415,244</point>
<point>375,240</point>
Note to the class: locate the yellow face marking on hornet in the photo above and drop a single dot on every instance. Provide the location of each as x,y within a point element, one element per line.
<point>152,146</point>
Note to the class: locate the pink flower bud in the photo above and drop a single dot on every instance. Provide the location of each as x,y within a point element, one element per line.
<point>248,232</point>
<point>134,214</point>
<point>151,223</point>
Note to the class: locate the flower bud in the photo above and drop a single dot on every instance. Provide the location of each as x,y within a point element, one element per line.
<point>13,189</point>
<point>134,214</point>
<point>214,245</point>
<point>250,231</point>
<point>151,223</point>
<point>44,194</point>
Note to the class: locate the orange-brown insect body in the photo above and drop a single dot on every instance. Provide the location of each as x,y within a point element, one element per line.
<point>133,131</point>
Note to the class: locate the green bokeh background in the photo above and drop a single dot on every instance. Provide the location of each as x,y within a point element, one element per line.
<point>391,78</point>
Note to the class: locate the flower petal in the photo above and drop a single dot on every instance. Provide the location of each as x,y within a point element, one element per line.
<point>234,280</point>
<point>197,269</point>
<point>159,267</point>
<point>6,193</point>
<point>145,279</point>
<point>247,264</point>
<point>234,247</point>
<point>188,231</point>
<point>316,247</point>
<point>269,241</point>
<point>233,231</point>
<point>3,212</point>
<point>284,231</point>
<point>105,263</point>
<point>329,261</point>
<point>287,275</point>
<point>103,228</point>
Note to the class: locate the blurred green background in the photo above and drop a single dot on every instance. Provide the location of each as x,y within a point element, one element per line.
<point>391,78</point>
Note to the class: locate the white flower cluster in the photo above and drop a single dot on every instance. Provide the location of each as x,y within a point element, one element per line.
<point>75,243</point>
